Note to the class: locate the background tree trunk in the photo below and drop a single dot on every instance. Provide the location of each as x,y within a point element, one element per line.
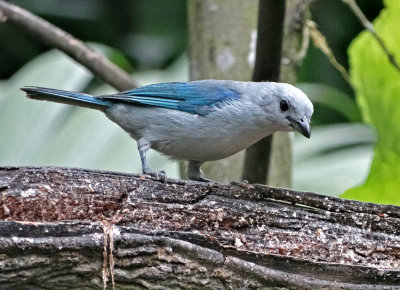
<point>294,49</point>
<point>73,228</point>
<point>271,15</point>
<point>222,39</point>
<point>222,43</point>
<point>276,151</point>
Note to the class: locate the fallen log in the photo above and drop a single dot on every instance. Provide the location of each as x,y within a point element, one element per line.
<point>63,228</point>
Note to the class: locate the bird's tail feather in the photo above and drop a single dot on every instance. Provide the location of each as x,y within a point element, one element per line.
<point>66,97</point>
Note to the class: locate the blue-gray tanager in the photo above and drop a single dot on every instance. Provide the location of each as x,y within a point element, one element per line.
<point>197,121</point>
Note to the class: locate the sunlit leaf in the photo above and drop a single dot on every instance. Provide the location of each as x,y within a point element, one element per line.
<point>377,85</point>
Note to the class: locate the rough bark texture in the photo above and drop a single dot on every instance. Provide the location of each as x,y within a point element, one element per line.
<point>73,228</point>
<point>222,39</point>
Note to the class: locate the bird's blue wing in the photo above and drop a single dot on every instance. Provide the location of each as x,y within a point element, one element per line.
<point>194,97</point>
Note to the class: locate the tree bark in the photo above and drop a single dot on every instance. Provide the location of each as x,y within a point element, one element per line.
<point>73,228</point>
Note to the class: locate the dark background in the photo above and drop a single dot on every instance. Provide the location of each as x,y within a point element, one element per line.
<point>153,33</point>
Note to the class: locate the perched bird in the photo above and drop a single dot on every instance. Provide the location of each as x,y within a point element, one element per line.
<point>196,121</point>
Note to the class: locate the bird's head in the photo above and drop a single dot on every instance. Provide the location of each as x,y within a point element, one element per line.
<point>292,109</point>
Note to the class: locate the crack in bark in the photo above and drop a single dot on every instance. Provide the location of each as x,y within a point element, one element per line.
<point>201,197</point>
<point>108,258</point>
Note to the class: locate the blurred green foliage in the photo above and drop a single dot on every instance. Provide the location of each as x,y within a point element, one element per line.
<point>150,33</point>
<point>339,25</point>
<point>46,133</point>
<point>377,84</point>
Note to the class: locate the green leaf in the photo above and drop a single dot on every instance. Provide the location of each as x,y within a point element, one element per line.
<point>377,85</point>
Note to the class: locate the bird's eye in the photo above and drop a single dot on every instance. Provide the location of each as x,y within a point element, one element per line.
<point>284,106</point>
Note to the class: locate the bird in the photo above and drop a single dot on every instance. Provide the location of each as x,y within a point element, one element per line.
<point>197,121</point>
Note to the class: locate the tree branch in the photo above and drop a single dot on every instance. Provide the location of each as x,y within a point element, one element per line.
<point>370,27</point>
<point>64,228</point>
<point>53,36</point>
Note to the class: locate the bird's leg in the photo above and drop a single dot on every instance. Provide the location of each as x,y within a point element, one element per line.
<point>143,147</point>
<point>194,172</point>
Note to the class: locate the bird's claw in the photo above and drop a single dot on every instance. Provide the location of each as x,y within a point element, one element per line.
<point>202,179</point>
<point>158,175</point>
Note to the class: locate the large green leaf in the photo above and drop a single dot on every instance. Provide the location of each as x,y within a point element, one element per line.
<point>377,85</point>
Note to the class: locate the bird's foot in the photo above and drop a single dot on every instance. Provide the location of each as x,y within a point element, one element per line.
<point>194,173</point>
<point>158,175</point>
<point>202,179</point>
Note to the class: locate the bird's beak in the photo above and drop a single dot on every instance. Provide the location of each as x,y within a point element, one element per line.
<point>302,126</point>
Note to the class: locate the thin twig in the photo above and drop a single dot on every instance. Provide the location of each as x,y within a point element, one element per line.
<point>319,41</point>
<point>305,43</point>
<point>40,29</point>
<point>370,27</point>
